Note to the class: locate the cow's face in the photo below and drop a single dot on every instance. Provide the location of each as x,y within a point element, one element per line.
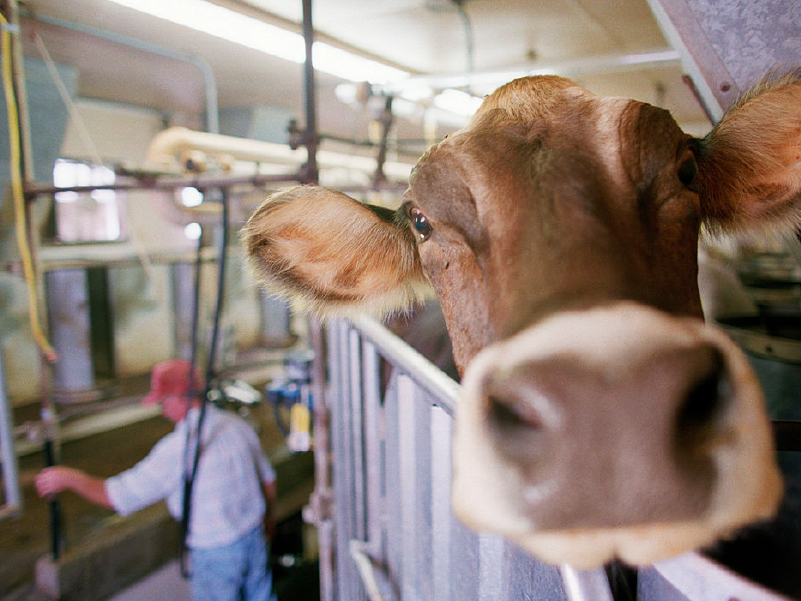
<point>577,202</point>
<point>599,415</point>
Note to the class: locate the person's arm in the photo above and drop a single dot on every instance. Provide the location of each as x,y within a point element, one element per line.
<point>269,513</point>
<point>53,480</point>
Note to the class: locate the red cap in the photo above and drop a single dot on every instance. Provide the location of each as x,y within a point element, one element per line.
<point>171,377</point>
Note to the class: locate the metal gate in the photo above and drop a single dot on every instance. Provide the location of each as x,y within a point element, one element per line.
<point>395,538</point>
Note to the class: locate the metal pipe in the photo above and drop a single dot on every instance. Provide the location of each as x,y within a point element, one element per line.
<point>13,499</point>
<point>360,553</point>
<point>67,294</point>
<point>433,380</point>
<point>309,170</point>
<point>168,183</point>
<point>468,32</point>
<point>209,82</point>
<point>379,178</point>
<point>319,511</point>
<point>55,504</point>
<point>693,576</point>
<point>709,102</point>
<point>610,63</point>
<point>167,147</point>
<point>586,585</point>
<point>20,91</point>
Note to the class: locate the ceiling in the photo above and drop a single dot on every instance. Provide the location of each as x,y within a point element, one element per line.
<point>420,36</point>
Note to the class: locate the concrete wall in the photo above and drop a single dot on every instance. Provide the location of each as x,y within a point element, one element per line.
<point>140,295</point>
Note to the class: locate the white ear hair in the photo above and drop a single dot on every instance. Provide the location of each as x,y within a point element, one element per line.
<point>750,163</point>
<point>331,255</point>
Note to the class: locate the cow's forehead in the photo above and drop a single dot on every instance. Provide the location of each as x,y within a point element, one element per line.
<point>564,126</point>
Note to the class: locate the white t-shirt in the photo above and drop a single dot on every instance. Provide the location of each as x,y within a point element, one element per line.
<point>227,500</point>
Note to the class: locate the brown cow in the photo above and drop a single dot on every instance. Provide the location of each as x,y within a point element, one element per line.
<point>559,230</point>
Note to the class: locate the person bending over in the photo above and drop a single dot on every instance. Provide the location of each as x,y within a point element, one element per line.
<point>233,493</point>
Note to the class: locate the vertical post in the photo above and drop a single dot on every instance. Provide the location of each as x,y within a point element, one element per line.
<point>18,73</point>
<point>320,512</point>
<point>408,484</point>
<point>441,436</point>
<point>183,301</point>
<point>379,178</point>
<point>585,585</point>
<point>323,492</point>
<point>309,171</point>
<point>10,471</point>
<point>68,306</point>
<point>55,505</point>
<point>373,438</point>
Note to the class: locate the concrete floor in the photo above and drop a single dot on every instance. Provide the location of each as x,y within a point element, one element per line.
<point>164,583</point>
<point>23,540</point>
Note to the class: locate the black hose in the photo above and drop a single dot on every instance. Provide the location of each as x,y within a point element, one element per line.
<point>55,505</point>
<point>191,393</point>
<point>189,477</point>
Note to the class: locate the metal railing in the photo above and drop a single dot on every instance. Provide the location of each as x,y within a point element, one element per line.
<point>395,538</point>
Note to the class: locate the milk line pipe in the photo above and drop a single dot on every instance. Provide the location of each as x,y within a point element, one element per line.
<point>309,171</point>
<point>209,82</point>
<point>185,503</point>
<point>189,478</point>
<point>33,190</point>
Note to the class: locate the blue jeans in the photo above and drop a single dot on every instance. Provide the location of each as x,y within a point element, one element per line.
<point>235,572</point>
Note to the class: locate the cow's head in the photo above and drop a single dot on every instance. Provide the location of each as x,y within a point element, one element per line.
<point>599,415</point>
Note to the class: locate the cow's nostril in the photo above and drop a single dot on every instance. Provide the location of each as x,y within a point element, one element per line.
<point>700,414</point>
<point>506,415</point>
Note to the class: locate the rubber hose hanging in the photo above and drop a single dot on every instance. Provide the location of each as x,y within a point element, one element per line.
<point>210,360</point>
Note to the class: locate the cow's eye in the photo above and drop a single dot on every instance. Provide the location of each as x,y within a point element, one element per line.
<point>688,170</point>
<point>420,223</point>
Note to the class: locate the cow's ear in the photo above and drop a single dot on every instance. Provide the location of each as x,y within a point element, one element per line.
<point>333,255</point>
<point>749,166</point>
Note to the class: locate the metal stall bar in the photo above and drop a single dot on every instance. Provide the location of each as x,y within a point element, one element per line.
<point>357,433</point>
<point>396,537</point>
<point>693,577</point>
<point>586,586</point>
<point>12,504</point>
<point>343,380</point>
<point>441,517</point>
<point>373,428</point>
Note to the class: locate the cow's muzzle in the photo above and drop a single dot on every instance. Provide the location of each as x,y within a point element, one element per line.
<point>610,423</point>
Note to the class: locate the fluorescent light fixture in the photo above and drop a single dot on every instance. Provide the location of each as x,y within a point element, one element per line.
<point>244,30</point>
<point>191,197</point>
<point>458,102</point>
<point>416,92</point>
<point>192,231</point>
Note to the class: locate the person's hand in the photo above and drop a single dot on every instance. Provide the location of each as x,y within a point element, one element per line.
<point>53,480</point>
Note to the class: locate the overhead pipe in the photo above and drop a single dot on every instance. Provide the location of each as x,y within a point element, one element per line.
<point>610,63</point>
<point>209,81</point>
<point>169,146</point>
<point>20,91</point>
<point>309,172</point>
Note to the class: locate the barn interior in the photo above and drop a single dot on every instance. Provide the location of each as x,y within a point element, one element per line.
<point>146,133</point>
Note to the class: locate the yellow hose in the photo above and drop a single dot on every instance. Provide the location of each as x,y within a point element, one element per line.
<point>17,193</point>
